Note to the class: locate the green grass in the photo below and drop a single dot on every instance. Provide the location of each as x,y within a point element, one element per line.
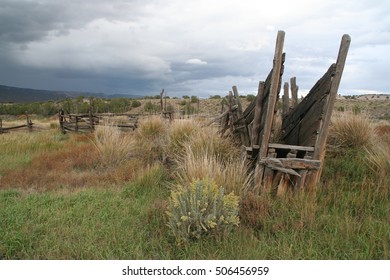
<point>346,218</point>
<point>17,149</point>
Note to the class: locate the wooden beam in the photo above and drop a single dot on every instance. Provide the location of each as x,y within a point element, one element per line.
<point>290,147</point>
<point>273,93</point>
<point>319,151</point>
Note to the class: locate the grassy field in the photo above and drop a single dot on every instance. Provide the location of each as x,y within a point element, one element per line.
<point>105,195</point>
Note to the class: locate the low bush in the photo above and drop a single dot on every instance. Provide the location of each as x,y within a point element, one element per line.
<point>201,209</point>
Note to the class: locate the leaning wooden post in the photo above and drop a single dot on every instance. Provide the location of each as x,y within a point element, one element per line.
<point>273,95</point>
<point>294,91</point>
<point>319,149</point>
<point>244,134</point>
<point>257,118</point>
<point>286,100</point>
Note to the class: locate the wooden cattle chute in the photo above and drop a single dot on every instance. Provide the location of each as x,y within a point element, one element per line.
<point>29,125</point>
<point>87,122</point>
<point>295,161</point>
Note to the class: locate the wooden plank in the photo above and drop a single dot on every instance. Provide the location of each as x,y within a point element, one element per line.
<point>322,85</point>
<point>292,163</point>
<point>290,147</point>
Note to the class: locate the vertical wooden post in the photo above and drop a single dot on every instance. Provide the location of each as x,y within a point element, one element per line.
<point>60,119</point>
<point>91,114</point>
<point>286,100</point>
<point>1,126</point>
<point>231,117</point>
<point>294,91</point>
<point>273,95</point>
<point>319,149</point>
<point>257,117</point>
<point>29,123</point>
<point>244,134</point>
<point>161,101</point>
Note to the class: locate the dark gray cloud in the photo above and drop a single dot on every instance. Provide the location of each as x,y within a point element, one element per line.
<point>195,47</point>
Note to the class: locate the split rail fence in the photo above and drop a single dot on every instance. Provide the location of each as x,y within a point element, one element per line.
<point>29,125</point>
<point>88,122</point>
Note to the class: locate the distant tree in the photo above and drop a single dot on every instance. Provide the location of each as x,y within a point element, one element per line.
<point>149,107</point>
<point>186,97</point>
<point>250,97</point>
<point>215,97</point>
<point>135,104</point>
<point>194,99</point>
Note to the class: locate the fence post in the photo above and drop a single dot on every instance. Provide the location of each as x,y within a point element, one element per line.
<point>29,123</point>
<point>294,91</point>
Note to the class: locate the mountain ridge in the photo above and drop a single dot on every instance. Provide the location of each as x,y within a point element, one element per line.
<point>9,94</point>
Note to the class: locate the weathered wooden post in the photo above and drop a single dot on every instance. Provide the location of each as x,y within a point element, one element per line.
<point>257,118</point>
<point>91,124</point>
<point>243,130</point>
<point>294,92</point>
<point>1,126</point>
<point>29,123</point>
<point>161,101</point>
<point>273,95</point>
<point>319,149</point>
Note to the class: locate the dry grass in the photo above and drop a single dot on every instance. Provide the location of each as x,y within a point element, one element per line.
<point>113,146</point>
<point>352,131</point>
<point>151,137</point>
<point>378,155</point>
<point>199,164</point>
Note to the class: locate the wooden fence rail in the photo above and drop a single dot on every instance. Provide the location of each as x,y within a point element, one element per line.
<point>29,125</point>
<point>87,122</point>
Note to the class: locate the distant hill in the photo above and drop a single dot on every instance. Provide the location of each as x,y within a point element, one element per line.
<point>27,95</point>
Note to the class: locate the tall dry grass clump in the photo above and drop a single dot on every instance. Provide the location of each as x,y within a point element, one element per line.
<point>151,137</point>
<point>352,131</point>
<point>378,155</point>
<point>113,146</point>
<point>206,155</point>
<point>180,133</point>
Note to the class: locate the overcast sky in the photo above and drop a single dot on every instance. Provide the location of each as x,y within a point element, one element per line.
<point>189,47</point>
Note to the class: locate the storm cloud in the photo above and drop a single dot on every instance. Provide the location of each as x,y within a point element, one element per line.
<point>195,47</point>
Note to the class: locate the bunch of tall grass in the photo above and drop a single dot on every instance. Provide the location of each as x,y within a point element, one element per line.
<point>113,146</point>
<point>378,155</point>
<point>352,131</point>
<point>199,164</point>
<point>151,137</point>
<point>180,133</point>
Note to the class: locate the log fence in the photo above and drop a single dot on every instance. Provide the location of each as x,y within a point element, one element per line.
<point>29,125</point>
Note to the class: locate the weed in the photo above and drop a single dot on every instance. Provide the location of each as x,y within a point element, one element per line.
<point>199,209</point>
